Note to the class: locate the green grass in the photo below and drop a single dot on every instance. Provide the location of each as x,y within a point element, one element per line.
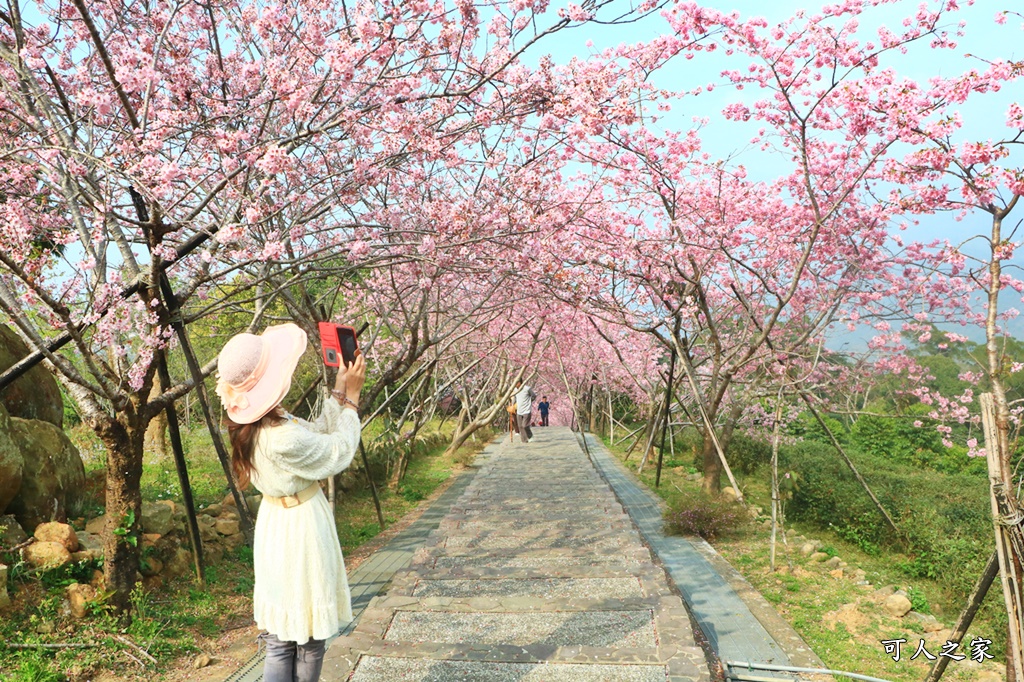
<point>182,617</point>
<point>805,595</point>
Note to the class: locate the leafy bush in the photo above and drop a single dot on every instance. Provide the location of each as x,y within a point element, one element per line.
<point>705,516</point>
<point>944,518</point>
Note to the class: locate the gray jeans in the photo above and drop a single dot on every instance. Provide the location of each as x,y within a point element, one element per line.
<point>290,662</point>
<point>525,432</point>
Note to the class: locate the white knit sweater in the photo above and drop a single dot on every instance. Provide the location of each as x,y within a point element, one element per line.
<point>301,590</point>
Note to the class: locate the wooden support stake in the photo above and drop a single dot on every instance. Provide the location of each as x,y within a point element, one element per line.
<point>967,615</point>
<point>192,524</point>
<point>668,410</point>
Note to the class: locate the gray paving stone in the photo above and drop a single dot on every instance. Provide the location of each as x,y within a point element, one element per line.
<point>633,629</point>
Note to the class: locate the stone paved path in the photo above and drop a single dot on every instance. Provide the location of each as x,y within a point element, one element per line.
<point>536,573</point>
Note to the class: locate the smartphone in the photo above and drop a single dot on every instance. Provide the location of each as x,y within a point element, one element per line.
<point>338,343</point>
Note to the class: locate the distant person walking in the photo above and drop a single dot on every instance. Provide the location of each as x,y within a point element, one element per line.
<point>524,406</point>
<point>543,407</point>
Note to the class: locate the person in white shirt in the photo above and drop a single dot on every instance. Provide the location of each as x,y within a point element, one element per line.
<point>301,596</point>
<point>524,406</point>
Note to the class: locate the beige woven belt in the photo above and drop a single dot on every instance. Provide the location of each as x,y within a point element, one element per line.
<point>289,501</point>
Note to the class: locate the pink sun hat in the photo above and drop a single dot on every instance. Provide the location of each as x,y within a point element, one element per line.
<point>254,373</point>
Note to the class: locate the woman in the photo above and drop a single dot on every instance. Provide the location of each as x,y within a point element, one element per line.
<point>301,595</point>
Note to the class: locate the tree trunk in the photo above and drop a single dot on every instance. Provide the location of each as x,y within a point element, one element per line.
<point>156,432</point>
<point>712,482</point>
<point>124,512</point>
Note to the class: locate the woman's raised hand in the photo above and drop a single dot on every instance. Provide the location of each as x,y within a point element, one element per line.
<point>351,377</point>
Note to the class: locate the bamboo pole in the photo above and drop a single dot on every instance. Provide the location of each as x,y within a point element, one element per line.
<point>667,410</point>
<point>1006,516</point>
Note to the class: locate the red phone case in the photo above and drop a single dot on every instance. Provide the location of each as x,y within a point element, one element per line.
<point>330,344</point>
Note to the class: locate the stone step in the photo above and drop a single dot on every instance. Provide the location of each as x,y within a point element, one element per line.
<point>615,629</point>
<point>525,544</point>
<point>569,526</point>
<point>388,669</point>
<point>541,588</point>
<point>441,557</point>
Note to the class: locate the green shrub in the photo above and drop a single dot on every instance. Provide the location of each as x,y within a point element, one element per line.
<point>747,454</point>
<point>944,518</point>
<point>705,516</point>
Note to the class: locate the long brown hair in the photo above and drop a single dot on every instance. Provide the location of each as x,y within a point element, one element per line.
<point>243,444</point>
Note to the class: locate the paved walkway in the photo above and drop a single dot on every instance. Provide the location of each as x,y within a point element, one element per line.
<point>536,573</point>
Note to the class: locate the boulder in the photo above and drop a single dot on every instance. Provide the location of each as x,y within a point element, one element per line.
<point>55,531</point>
<point>157,517</point>
<point>837,573</point>
<point>254,502</point>
<point>46,555</point>
<point>80,595</point>
<point>35,395</point>
<point>213,509</point>
<point>834,562</point>
<point>896,605</point>
<point>808,548</point>
<point>884,591</point>
<point>201,661</point>
<point>53,477</point>
<point>12,462</point>
<point>819,556</point>
<point>11,532</point>
<point>226,526</point>
<point>729,493</point>
<point>5,600</point>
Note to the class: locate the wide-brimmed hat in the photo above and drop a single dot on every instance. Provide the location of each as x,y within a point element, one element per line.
<point>254,373</point>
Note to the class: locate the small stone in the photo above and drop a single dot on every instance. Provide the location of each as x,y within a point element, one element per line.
<point>96,526</point>
<point>213,509</point>
<point>819,557</point>
<point>47,554</point>
<point>884,591</point>
<point>858,574</point>
<point>150,539</point>
<point>157,517</point>
<point>834,562</point>
<point>228,501</point>
<point>57,532</point>
<point>151,566</point>
<point>152,582</point>
<point>754,511</point>
<point>729,493</point>
<point>837,573</point>
<point>180,563</point>
<point>97,580</point>
<point>928,622</point>
<point>87,540</point>
<point>679,471</point>
<point>205,520</point>
<point>232,542</point>
<point>897,605</point>
<point>45,627</point>
<point>80,596</point>
<point>5,599</point>
<point>694,477</point>
<point>208,533</point>
<point>228,514</point>
<point>201,661</point>
<point>11,532</point>
<point>254,502</point>
<point>226,526</point>
<point>807,549</point>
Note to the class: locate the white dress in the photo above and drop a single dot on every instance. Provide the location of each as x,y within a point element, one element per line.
<point>301,590</point>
